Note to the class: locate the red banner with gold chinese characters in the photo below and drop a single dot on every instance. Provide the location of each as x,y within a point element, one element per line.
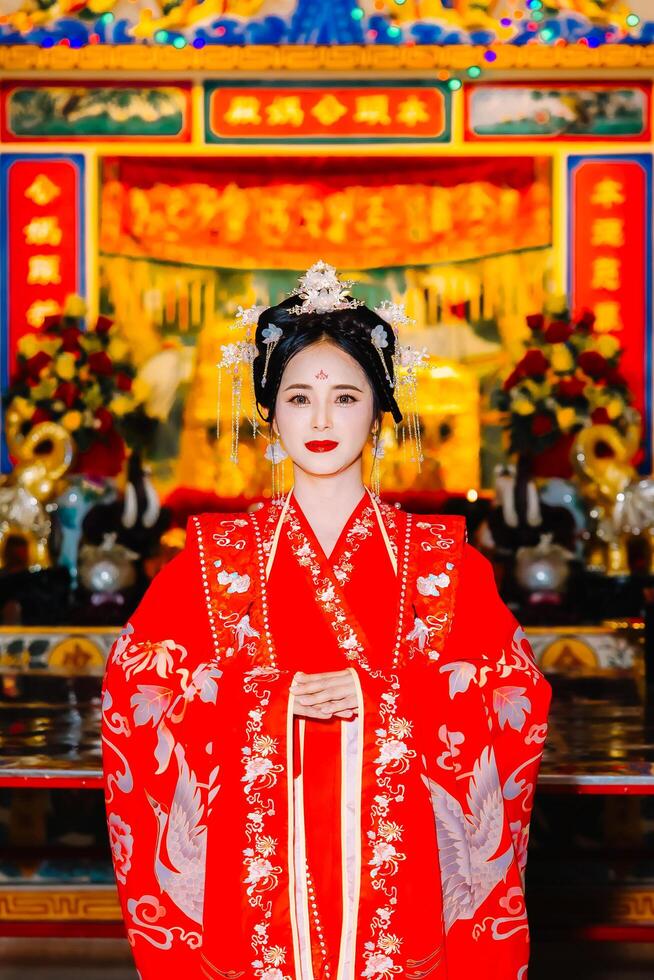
<point>610,261</point>
<point>44,229</point>
<point>284,214</point>
<point>301,112</point>
<point>41,246</point>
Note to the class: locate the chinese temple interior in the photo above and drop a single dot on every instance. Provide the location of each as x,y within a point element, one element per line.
<point>487,163</point>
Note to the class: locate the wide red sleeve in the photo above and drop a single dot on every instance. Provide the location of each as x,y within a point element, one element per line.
<point>515,692</point>
<point>158,758</point>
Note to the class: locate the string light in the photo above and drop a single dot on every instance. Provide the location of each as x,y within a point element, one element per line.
<point>532,17</point>
<point>454,84</point>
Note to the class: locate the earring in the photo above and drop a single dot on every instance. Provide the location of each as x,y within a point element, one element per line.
<point>277,455</point>
<point>377,455</point>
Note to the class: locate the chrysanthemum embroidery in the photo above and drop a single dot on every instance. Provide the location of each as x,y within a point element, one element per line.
<point>161,656</point>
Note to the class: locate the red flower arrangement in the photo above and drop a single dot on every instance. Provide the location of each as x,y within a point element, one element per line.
<point>568,378</point>
<point>83,379</point>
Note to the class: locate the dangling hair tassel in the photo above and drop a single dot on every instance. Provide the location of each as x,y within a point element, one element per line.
<point>236,413</point>
<point>277,455</point>
<point>271,336</point>
<point>253,406</point>
<point>265,367</point>
<point>377,455</point>
<point>220,385</point>
<point>388,377</point>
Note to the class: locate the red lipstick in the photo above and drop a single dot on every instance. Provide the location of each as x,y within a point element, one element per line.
<point>321,446</point>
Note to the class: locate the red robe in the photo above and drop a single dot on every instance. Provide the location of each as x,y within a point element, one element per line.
<point>249,842</point>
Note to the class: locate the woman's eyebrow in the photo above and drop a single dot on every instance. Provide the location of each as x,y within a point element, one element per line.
<point>336,387</point>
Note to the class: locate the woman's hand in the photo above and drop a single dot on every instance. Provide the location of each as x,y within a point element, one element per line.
<point>329,695</point>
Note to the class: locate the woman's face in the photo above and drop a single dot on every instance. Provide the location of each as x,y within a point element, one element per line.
<point>324,409</point>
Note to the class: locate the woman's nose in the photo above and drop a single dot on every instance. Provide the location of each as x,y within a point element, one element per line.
<point>322,417</point>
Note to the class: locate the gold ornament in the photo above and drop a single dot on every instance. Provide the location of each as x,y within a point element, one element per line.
<point>43,456</point>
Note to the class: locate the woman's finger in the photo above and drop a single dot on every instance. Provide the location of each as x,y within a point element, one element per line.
<point>308,712</point>
<point>327,694</point>
<point>309,683</point>
<point>312,699</point>
<point>339,705</point>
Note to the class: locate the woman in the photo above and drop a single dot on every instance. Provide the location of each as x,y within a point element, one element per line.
<point>322,728</point>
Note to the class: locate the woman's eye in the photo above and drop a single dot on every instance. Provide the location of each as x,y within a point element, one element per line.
<point>303,400</point>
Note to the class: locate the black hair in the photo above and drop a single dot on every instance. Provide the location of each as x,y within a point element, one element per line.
<point>349,329</point>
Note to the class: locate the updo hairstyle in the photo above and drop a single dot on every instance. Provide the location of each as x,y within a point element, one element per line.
<point>349,329</point>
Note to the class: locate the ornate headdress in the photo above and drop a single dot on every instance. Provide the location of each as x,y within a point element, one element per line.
<point>322,291</point>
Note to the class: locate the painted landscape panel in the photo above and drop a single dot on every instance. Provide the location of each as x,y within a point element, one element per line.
<point>115,112</point>
<point>558,111</point>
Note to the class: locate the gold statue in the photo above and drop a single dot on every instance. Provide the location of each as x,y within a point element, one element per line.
<point>42,458</point>
<point>601,457</point>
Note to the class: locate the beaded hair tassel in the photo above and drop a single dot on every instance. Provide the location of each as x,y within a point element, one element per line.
<point>237,359</point>
<point>321,291</point>
<point>406,361</point>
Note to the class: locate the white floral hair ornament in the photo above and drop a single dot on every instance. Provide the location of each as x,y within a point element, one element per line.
<point>321,291</point>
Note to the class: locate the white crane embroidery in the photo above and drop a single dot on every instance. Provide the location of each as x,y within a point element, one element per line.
<point>186,842</point>
<point>468,843</point>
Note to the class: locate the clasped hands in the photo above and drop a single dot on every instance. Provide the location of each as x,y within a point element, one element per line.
<point>332,694</point>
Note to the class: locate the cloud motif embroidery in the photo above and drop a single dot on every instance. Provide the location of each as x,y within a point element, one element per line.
<point>236,582</point>
<point>432,584</point>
